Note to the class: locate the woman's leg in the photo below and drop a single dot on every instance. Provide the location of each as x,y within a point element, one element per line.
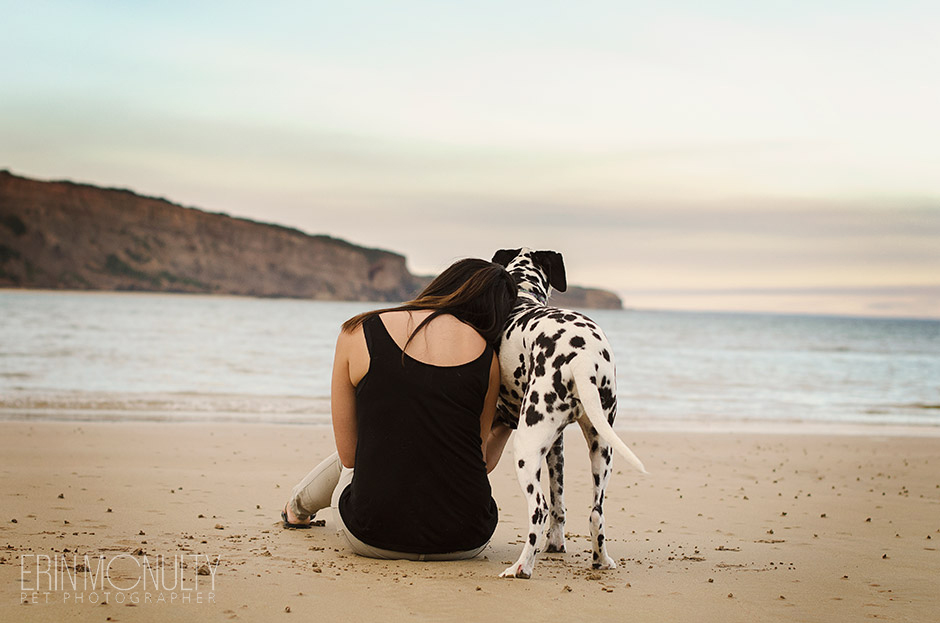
<point>315,491</point>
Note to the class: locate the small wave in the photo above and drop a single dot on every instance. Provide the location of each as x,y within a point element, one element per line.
<point>16,375</point>
<point>833,349</point>
<point>170,406</point>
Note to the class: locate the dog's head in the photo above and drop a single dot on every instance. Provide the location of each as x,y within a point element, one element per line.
<point>534,271</point>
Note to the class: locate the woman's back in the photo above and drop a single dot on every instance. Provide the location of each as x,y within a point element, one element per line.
<point>444,341</point>
<point>420,483</point>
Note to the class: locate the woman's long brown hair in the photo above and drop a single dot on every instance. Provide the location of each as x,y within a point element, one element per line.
<point>474,291</point>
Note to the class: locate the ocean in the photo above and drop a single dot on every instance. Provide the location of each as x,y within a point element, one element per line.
<point>100,356</point>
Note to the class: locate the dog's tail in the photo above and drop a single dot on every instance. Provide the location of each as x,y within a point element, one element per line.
<point>591,401</point>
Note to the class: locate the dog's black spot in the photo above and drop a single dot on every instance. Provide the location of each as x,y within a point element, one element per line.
<point>531,538</point>
<point>549,398</point>
<point>522,322</point>
<point>608,399</point>
<point>597,480</point>
<point>594,445</point>
<point>530,488</point>
<point>538,474</point>
<point>539,369</point>
<point>521,463</point>
<point>561,389</point>
<point>600,540</point>
<point>596,336</point>
<point>533,416</point>
<point>595,558</point>
<point>605,452</point>
<point>546,343</point>
<point>562,360</point>
<point>577,342</point>
<point>534,398</point>
<point>605,354</point>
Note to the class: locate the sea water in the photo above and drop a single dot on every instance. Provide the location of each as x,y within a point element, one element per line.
<point>166,357</point>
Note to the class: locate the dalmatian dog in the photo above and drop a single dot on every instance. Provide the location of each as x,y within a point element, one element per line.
<point>557,368</point>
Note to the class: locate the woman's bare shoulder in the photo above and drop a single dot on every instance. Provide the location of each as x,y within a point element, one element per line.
<point>350,338</point>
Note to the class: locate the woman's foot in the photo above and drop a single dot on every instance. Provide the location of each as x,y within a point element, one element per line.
<point>292,521</point>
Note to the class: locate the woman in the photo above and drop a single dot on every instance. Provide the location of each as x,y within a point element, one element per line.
<point>413,398</point>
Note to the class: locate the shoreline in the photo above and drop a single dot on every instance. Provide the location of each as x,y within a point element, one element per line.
<point>239,418</point>
<point>727,527</point>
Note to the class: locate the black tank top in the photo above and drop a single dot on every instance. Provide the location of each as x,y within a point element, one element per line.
<point>420,484</point>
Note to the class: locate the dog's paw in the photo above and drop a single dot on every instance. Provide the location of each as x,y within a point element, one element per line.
<point>516,571</point>
<point>555,540</point>
<point>608,563</point>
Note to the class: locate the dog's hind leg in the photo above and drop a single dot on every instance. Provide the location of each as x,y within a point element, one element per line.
<point>601,456</point>
<point>530,446</point>
<point>556,487</point>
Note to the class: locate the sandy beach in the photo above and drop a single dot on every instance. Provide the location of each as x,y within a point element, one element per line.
<point>727,527</point>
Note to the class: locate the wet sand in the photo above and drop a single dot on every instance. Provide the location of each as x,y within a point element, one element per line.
<point>727,527</point>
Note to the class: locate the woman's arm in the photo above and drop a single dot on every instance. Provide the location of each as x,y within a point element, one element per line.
<point>343,400</point>
<point>498,437</point>
<point>494,437</point>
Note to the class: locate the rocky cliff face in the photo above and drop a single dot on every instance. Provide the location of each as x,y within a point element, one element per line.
<point>61,235</point>
<point>586,298</point>
<point>64,235</point>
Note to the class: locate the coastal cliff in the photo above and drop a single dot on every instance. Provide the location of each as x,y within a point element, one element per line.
<point>63,235</point>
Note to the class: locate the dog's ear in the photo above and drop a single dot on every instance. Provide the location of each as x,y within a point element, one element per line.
<point>504,256</point>
<point>554,266</point>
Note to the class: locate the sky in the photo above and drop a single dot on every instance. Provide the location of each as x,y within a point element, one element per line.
<point>742,156</point>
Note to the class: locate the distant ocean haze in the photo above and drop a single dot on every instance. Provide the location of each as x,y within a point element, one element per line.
<point>169,357</point>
